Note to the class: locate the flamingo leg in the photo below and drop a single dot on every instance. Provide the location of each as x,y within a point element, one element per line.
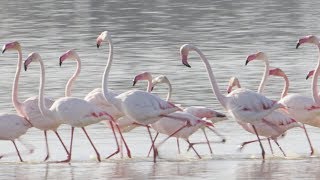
<point>155,151</point>
<point>17,150</point>
<point>97,153</point>
<point>280,147</point>
<point>191,146</point>
<point>271,149</point>
<point>124,142</point>
<point>178,144</point>
<point>309,141</point>
<point>205,134</point>
<point>115,136</point>
<point>241,146</point>
<point>70,149</point>
<point>154,140</point>
<point>261,146</point>
<point>47,146</point>
<point>64,146</point>
<point>217,133</point>
<point>121,148</point>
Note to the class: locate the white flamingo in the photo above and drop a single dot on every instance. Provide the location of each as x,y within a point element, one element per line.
<point>283,122</point>
<point>167,125</point>
<point>143,107</point>
<point>29,108</point>
<point>305,109</point>
<point>72,55</point>
<point>12,127</point>
<point>244,105</point>
<point>68,110</point>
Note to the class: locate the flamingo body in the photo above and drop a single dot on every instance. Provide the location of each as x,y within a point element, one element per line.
<point>12,126</point>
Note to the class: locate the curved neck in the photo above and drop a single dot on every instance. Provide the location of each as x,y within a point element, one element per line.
<point>15,101</point>
<point>106,73</point>
<point>149,84</point>
<point>221,98</point>
<point>286,87</point>
<point>315,80</point>
<point>73,78</point>
<point>41,103</point>
<point>264,77</point>
<point>169,91</point>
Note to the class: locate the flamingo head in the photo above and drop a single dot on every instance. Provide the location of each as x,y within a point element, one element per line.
<point>11,46</point>
<point>70,54</point>
<point>257,56</point>
<point>233,82</point>
<point>102,37</point>
<point>159,80</point>
<point>184,52</point>
<point>142,76</point>
<point>308,39</point>
<point>276,72</point>
<point>32,57</point>
<point>310,74</point>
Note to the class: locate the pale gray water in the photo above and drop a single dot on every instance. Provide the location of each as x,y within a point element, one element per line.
<point>147,37</point>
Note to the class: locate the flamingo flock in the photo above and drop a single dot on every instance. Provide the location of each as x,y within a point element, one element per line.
<point>124,111</point>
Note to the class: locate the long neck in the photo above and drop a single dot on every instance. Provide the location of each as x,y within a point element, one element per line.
<point>73,78</point>
<point>221,98</point>
<point>41,103</point>
<point>169,91</point>
<point>315,80</point>
<point>264,77</point>
<point>15,101</point>
<point>286,87</point>
<point>149,84</point>
<point>108,97</point>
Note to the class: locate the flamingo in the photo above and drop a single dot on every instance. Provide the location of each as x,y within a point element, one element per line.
<point>13,126</point>
<point>305,109</point>
<point>244,105</point>
<point>29,108</point>
<point>143,107</point>
<point>68,110</point>
<point>72,55</point>
<point>283,122</point>
<point>163,124</point>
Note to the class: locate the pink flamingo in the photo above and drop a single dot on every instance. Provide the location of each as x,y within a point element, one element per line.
<point>68,110</point>
<point>72,55</point>
<point>244,105</point>
<point>143,107</point>
<point>11,128</point>
<point>283,122</point>
<point>29,108</point>
<point>163,125</point>
<point>305,109</point>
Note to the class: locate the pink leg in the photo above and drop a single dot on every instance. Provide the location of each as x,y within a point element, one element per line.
<point>311,147</point>
<point>124,142</point>
<point>178,144</point>
<point>248,142</point>
<point>17,150</point>
<point>115,136</point>
<point>205,134</point>
<point>262,149</point>
<point>280,147</point>
<point>70,149</point>
<point>64,146</point>
<point>155,151</point>
<point>187,124</point>
<point>154,140</point>
<point>97,153</point>
<point>191,146</point>
<point>47,146</point>
<point>121,148</point>
<point>270,146</point>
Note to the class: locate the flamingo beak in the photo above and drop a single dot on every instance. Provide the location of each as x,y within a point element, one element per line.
<point>98,45</point>
<point>134,82</point>
<point>25,67</point>
<point>298,44</point>
<point>60,62</point>
<point>307,77</point>
<point>3,50</point>
<point>152,88</point>
<point>185,60</point>
<point>250,58</point>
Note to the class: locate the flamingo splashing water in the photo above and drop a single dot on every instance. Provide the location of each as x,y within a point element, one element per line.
<point>244,105</point>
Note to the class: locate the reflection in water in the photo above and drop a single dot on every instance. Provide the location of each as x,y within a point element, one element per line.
<point>147,36</point>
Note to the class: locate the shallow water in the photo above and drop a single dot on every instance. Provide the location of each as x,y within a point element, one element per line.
<point>147,37</point>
